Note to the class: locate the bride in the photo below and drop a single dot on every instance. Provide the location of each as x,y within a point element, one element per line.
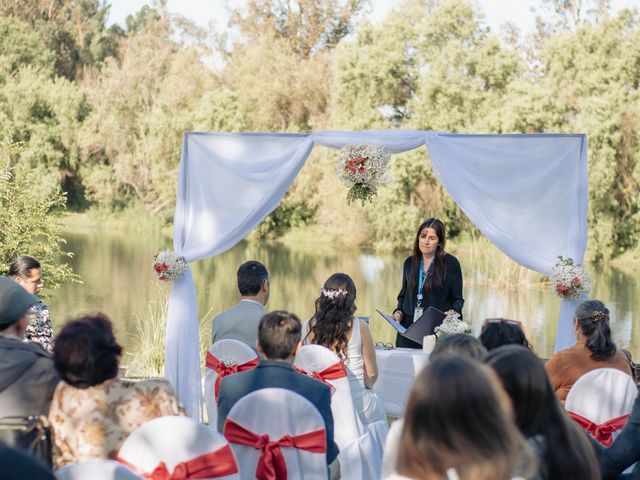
<point>334,326</point>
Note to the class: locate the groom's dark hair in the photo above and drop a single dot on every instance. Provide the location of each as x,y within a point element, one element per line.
<point>251,274</point>
<point>279,333</point>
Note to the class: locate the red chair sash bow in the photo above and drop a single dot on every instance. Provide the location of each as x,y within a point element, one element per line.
<point>332,372</point>
<point>602,432</point>
<point>216,464</point>
<point>272,465</point>
<point>223,369</point>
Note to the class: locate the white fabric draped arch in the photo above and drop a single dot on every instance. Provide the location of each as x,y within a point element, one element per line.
<point>526,192</point>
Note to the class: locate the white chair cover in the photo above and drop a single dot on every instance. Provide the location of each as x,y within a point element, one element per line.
<point>360,457</point>
<point>174,440</point>
<point>232,351</point>
<point>278,412</point>
<point>601,395</point>
<point>96,470</point>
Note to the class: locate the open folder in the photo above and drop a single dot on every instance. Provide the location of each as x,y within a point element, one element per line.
<point>425,325</point>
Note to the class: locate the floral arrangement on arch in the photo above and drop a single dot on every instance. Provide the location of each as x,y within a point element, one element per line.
<point>168,266</point>
<point>569,280</point>
<point>362,168</point>
<point>452,324</point>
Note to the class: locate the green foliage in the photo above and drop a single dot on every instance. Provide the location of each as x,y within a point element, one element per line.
<point>29,224</point>
<point>131,141</point>
<point>101,112</point>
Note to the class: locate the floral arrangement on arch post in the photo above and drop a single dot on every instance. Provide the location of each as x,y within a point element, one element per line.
<point>452,324</point>
<point>362,168</point>
<point>168,266</point>
<point>569,280</point>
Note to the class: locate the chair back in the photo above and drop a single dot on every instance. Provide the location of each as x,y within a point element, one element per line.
<point>599,399</point>
<point>277,434</point>
<point>96,470</point>
<point>358,453</point>
<point>224,357</point>
<point>168,447</point>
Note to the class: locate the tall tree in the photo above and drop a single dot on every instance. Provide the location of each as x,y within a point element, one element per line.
<point>131,141</point>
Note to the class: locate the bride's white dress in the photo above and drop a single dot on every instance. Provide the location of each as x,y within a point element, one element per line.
<point>367,403</point>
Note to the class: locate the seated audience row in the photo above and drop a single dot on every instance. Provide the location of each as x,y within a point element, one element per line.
<point>279,339</point>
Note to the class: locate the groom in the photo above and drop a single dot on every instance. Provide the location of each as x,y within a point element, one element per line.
<point>241,322</point>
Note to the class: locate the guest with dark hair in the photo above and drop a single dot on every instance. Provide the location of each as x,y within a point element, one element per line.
<point>562,447</point>
<point>497,332</point>
<point>241,321</point>
<point>93,411</point>
<point>27,273</point>
<point>27,376</point>
<point>459,344</point>
<point>594,348</point>
<point>458,425</point>
<point>279,339</point>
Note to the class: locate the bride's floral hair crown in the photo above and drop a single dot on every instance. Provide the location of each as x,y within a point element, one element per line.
<point>333,292</point>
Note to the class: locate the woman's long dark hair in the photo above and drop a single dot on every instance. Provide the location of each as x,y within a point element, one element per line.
<point>437,272</point>
<point>333,319</point>
<point>564,450</point>
<point>593,318</point>
<point>457,417</point>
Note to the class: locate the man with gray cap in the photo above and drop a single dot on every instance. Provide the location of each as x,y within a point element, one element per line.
<point>27,375</point>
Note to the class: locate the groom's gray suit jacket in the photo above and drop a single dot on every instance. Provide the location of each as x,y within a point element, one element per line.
<point>239,323</point>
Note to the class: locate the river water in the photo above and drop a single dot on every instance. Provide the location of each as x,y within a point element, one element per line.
<point>118,280</point>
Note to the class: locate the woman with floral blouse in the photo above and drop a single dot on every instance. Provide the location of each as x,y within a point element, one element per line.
<point>93,411</point>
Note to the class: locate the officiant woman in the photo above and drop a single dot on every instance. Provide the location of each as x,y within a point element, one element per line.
<point>431,277</point>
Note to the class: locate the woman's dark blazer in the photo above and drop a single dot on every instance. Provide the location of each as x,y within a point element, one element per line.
<point>445,297</point>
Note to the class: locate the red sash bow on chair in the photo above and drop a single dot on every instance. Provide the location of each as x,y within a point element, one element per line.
<point>223,369</point>
<point>271,465</point>
<point>332,372</point>
<point>216,464</point>
<point>602,432</point>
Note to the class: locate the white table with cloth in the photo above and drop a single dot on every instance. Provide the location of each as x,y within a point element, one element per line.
<point>397,368</point>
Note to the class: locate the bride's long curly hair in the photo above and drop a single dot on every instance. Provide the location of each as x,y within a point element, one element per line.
<point>333,318</point>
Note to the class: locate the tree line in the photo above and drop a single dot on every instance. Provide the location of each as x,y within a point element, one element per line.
<point>97,112</point>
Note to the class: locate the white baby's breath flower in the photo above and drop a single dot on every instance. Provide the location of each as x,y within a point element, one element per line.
<point>168,266</point>
<point>570,281</point>
<point>362,168</point>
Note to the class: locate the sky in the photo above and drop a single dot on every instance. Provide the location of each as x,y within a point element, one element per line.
<point>497,12</point>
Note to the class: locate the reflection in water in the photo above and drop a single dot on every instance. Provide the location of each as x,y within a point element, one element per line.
<point>118,280</point>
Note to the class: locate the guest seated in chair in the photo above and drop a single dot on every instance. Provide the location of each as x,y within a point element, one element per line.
<point>562,448</point>
<point>625,449</point>
<point>279,335</point>
<point>594,348</point>
<point>458,425</point>
<point>459,344</point>
<point>27,376</point>
<point>333,326</point>
<point>241,322</point>
<point>497,332</point>
<point>93,411</point>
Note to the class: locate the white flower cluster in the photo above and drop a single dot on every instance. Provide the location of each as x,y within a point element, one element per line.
<point>168,266</point>
<point>333,293</point>
<point>362,168</point>
<point>451,325</point>
<point>570,281</point>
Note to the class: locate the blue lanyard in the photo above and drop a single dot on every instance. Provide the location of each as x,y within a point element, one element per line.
<point>422,278</point>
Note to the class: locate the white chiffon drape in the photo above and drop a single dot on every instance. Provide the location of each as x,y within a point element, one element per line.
<point>526,193</point>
